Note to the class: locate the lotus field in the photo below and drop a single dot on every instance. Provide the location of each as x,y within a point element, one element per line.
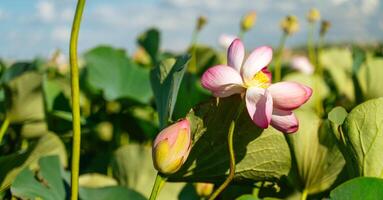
<point>231,123</point>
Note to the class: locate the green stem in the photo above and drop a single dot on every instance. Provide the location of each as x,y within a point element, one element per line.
<point>158,183</point>
<point>231,153</point>
<point>278,59</point>
<point>232,162</point>
<point>75,89</point>
<point>319,72</point>
<point>319,67</point>
<point>193,60</point>
<point>4,128</point>
<point>241,34</point>
<point>304,195</point>
<point>310,45</point>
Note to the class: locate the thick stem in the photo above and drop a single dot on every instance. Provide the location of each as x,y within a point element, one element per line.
<point>278,59</point>
<point>241,34</point>
<point>319,72</point>
<point>319,68</point>
<point>304,195</point>
<point>158,183</point>
<point>75,89</point>
<point>193,50</point>
<point>4,128</point>
<point>232,162</point>
<point>310,44</point>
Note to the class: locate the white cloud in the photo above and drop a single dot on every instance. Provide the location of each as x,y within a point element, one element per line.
<point>46,10</point>
<point>2,14</point>
<point>369,6</point>
<point>67,14</point>
<point>338,2</point>
<point>61,34</point>
<point>119,22</point>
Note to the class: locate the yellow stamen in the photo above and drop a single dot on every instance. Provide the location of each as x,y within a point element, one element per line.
<point>260,79</point>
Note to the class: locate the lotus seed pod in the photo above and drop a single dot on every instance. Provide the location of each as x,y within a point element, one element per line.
<point>290,24</point>
<point>325,26</point>
<point>201,22</point>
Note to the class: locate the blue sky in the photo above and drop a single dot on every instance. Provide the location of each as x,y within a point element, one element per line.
<point>30,28</point>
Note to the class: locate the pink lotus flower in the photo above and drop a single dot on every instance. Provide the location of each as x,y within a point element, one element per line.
<point>267,104</point>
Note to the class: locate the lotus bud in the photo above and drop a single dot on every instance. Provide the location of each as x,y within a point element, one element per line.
<point>105,131</point>
<point>171,147</point>
<point>204,189</point>
<point>290,24</point>
<point>325,26</point>
<point>201,22</point>
<point>248,21</point>
<point>113,107</point>
<point>225,40</point>
<point>313,15</point>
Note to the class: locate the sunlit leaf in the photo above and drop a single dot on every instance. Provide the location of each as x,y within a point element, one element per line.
<point>206,57</point>
<point>363,132</point>
<point>150,41</point>
<point>111,192</point>
<point>337,115</point>
<point>165,80</point>
<point>260,154</point>
<point>11,165</point>
<point>359,188</point>
<point>47,184</point>
<point>16,70</point>
<point>317,157</point>
<point>111,71</point>
<point>95,180</point>
<point>338,62</point>
<point>370,78</point>
<point>24,99</point>
<point>132,167</point>
<point>190,94</point>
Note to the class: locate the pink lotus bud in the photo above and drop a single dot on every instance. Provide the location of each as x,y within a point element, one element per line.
<point>171,147</point>
<point>302,64</point>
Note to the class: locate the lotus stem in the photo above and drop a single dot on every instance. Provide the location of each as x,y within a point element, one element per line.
<point>75,90</point>
<point>158,184</point>
<point>278,59</point>
<point>230,177</point>
<point>4,128</point>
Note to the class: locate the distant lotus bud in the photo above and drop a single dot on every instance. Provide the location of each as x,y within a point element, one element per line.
<point>248,21</point>
<point>201,22</point>
<point>226,40</point>
<point>60,61</point>
<point>302,64</point>
<point>325,26</point>
<point>290,24</point>
<point>204,189</point>
<point>141,56</point>
<point>113,107</point>
<point>313,15</point>
<point>105,131</point>
<point>171,147</point>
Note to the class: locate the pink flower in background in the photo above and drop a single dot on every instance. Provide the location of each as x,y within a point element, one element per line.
<point>225,40</point>
<point>266,103</point>
<point>302,64</point>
